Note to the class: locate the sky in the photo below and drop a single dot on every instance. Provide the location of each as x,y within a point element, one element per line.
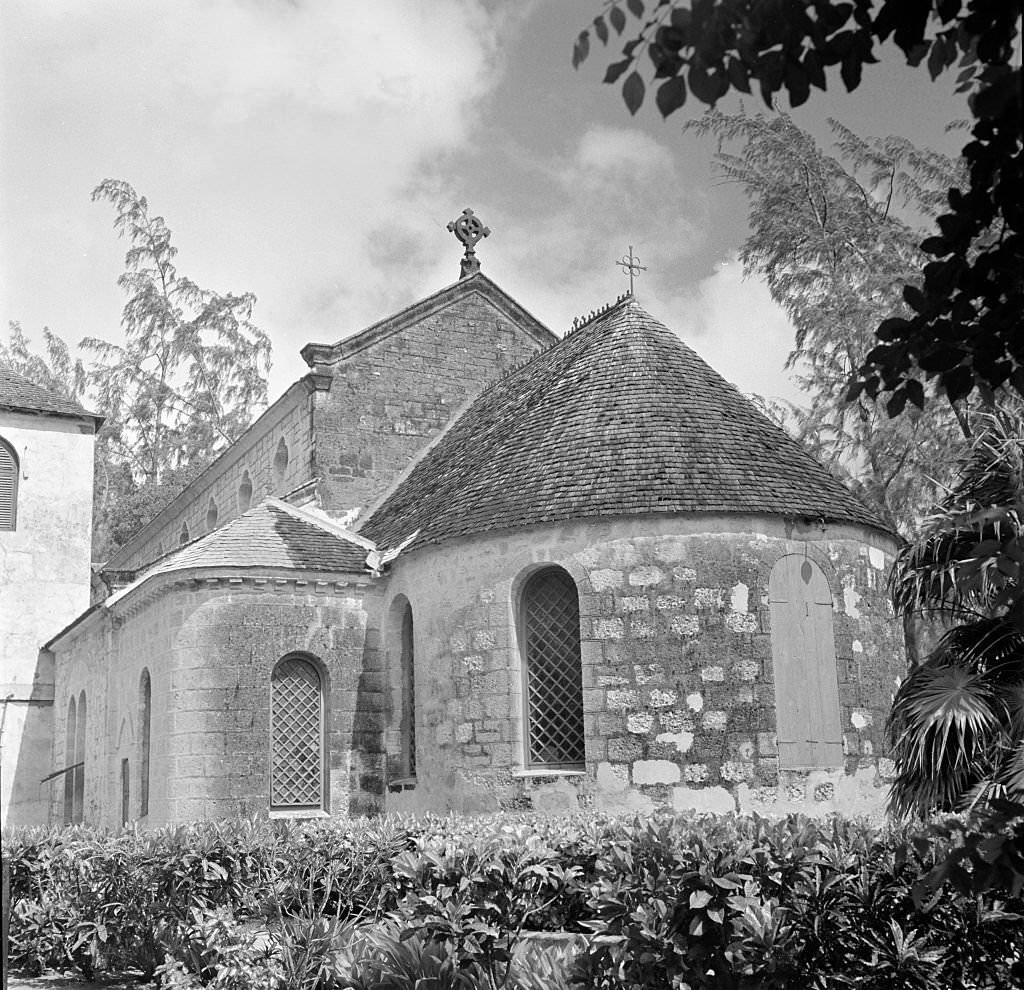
<point>313,151</point>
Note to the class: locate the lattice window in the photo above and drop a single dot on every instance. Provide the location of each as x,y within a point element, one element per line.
<point>8,486</point>
<point>296,735</point>
<point>554,679</point>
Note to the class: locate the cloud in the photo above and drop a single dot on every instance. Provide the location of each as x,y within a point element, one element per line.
<point>292,147</point>
<point>735,325</point>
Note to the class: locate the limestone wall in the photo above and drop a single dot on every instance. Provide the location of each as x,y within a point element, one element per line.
<point>388,400</point>
<point>44,584</point>
<point>254,458</point>
<point>210,645</point>
<point>678,684</point>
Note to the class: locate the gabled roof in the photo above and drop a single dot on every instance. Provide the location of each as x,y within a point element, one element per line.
<point>272,535</point>
<point>19,394</point>
<point>619,418</point>
<point>317,355</point>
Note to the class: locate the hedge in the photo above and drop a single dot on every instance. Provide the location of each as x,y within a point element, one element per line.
<point>717,902</point>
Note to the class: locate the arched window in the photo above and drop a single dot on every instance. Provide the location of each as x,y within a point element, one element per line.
<point>8,486</point>
<point>550,637</point>
<point>245,493</point>
<point>145,719</point>
<point>804,656</point>
<point>78,811</point>
<point>408,696</point>
<point>183,536</point>
<point>211,515</point>
<point>296,736</point>
<point>70,735</point>
<point>280,460</point>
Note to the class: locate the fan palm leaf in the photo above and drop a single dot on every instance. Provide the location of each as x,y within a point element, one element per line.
<point>956,728</point>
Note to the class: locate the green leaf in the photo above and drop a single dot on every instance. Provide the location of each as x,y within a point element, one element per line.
<point>633,92</point>
<point>636,7</point>
<point>601,30</point>
<point>616,69</point>
<point>698,899</point>
<point>617,19</point>
<point>671,95</point>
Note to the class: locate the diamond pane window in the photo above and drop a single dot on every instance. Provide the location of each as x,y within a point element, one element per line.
<point>296,735</point>
<point>554,677</point>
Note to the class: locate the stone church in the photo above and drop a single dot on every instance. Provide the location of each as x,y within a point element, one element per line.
<point>464,564</point>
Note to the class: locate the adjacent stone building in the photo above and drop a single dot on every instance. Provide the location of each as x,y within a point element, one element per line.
<point>463,564</point>
<point>46,459</point>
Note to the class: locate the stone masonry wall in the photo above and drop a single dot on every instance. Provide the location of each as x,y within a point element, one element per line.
<point>386,402</point>
<point>210,645</point>
<point>678,686</point>
<point>253,455</point>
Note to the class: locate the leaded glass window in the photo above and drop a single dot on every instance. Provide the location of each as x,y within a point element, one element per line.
<point>554,676</point>
<point>296,735</point>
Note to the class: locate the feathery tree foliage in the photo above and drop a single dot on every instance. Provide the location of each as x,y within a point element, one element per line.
<point>964,328</point>
<point>832,236</point>
<point>188,379</point>
<point>55,370</point>
<point>192,370</point>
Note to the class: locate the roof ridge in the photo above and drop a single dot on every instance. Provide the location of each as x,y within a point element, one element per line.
<point>579,322</point>
<point>327,525</point>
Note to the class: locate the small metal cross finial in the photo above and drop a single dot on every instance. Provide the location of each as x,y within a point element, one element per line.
<point>631,264</point>
<point>469,229</point>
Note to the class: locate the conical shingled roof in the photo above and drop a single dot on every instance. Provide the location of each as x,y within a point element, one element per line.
<point>618,418</point>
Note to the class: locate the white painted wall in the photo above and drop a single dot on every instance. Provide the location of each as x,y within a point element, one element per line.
<point>44,584</point>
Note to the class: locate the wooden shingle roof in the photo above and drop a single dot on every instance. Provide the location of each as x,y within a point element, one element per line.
<point>20,394</point>
<point>619,418</point>
<point>272,535</point>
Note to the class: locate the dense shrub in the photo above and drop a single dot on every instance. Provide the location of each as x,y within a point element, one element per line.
<point>722,903</point>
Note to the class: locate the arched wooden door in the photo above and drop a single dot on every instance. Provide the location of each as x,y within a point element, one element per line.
<point>804,656</point>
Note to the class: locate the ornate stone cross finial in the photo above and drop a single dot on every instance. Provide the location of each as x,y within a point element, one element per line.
<point>631,264</point>
<point>469,229</point>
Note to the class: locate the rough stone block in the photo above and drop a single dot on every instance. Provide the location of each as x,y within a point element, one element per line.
<point>655,772</point>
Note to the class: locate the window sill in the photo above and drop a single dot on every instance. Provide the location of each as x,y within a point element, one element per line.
<point>401,784</point>
<point>297,813</point>
<point>541,772</point>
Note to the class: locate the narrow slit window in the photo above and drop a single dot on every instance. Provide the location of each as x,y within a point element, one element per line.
<point>296,736</point>
<point>145,719</point>
<point>550,634</point>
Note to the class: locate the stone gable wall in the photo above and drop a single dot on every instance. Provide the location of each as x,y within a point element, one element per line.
<point>210,647</point>
<point>389,400</point>
<point>678,685</point>
<point>292,422</point>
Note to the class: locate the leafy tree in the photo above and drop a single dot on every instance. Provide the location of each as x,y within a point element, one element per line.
<point>57,371</point>
<point>192,371</point>
<point>963,329</point>
<point>829,237</point>
<point>186,382</point>
<point>957,723</point>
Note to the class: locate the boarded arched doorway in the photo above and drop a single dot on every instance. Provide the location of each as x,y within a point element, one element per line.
<point>804,656</point>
